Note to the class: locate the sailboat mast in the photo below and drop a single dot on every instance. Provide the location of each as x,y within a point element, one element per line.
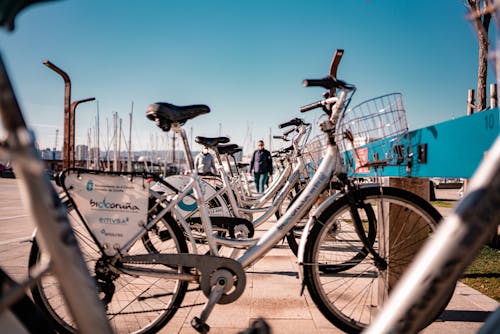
<point>130,139</point>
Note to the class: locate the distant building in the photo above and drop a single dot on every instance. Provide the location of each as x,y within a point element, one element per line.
<point>48,154</point>
<point>94,153</point>
<point>81,152</point>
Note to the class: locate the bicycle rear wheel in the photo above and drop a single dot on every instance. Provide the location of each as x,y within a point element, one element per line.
<point>134,304</point>
<point>350,298</point>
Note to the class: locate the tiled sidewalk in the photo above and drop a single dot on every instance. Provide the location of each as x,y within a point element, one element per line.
<point>272,290</point>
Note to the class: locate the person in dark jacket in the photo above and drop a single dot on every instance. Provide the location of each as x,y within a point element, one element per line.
<point>204,163</point>
<point>261,165</point>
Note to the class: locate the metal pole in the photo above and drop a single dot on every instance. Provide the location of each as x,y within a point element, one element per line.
<point>130,140</point>
<point>98,154</point>
<point>72,110</point>
<point>270,139</point>
<point>120,145</point>
<point>116,139</point>
<point>470,102</point>
<point>493,95</point>
<point>173,148</point>
<point>67,115</point>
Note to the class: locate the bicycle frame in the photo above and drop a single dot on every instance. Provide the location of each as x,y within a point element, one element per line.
<point>302,205</point>
<point>303,132</point>
<point>286,186</point>
<point>236,200</point>
<point>329,165</point>
<point>259,247</point>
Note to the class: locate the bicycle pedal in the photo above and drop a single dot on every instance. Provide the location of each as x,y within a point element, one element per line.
<point>199,325</point>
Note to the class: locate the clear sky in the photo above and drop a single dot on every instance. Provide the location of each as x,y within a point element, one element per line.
<point>244,59</point>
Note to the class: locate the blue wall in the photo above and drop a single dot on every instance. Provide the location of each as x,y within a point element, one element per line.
<point>454,148</point>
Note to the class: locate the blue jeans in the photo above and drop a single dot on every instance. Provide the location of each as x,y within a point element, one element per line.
<point>260,181</point>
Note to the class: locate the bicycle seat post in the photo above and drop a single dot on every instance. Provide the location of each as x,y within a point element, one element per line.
<point>185,143</point>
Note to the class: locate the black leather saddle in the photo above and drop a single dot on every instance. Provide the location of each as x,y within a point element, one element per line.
<point>165,114</point>
<point>211,142</point>
<point>242,165</point>
<point>228,149</point>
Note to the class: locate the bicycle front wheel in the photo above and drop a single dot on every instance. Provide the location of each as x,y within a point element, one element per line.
<point>134,304</point>
<point>350,298</point>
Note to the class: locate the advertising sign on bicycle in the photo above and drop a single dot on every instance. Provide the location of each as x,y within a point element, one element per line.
<point>115,206</point>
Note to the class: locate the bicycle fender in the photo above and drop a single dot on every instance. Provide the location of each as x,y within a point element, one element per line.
<point>305,234</point>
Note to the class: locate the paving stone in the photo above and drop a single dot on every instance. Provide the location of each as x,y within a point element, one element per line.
<point>272,289</point>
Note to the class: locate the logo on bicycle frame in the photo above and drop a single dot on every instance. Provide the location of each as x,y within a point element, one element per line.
<point>90,185</point>
<point>187,207</point>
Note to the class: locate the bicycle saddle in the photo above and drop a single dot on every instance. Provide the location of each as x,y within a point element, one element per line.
<point>164,114</point>
<point>236,150</point>
<point>228,149</point>
<point>211,142</point>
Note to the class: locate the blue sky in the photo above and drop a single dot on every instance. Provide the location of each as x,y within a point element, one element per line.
<point>244,59</point>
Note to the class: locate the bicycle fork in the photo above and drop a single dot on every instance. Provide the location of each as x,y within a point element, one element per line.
<point>355,204</point>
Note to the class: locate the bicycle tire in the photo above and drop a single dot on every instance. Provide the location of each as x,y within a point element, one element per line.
<point>28,316</point>
<point>350,299</point>
<point>155,300</point>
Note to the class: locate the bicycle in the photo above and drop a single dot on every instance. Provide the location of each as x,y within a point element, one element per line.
<point>241,199</point>
<point>281,159</point>
<point>358,210</point>
<point>228,201</point>
<point>53,227</point>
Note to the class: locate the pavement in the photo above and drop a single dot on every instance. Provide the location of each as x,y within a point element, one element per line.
<point>272,291</point>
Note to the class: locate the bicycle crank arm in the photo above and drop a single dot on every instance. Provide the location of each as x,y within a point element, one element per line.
<point>208,266</point>
<point>222,280</point>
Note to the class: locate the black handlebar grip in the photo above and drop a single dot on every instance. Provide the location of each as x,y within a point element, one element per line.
<point>311,106</point>
<point>326,82</point>
<point>294,122</point>
<point>288,132</point>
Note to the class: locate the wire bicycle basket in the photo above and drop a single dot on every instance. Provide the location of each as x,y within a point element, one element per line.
<point>313,153</point>
<point>373,133</point>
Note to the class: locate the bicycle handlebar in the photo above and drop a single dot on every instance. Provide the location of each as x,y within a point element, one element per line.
<point>322,103</point>
<point>288,132</point>
<point>327,82</point>
<point>284,138</point>
<point>311,106</point>
<point>294,122</point>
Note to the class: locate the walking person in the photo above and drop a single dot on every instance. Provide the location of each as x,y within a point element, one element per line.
<point>261,165</point>
<point>204,163</point>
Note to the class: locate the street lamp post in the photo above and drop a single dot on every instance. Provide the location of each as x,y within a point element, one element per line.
<point>69,117</point>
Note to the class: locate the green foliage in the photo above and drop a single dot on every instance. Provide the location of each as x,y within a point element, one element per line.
<point>444,204</point>
<point>484,273</point>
